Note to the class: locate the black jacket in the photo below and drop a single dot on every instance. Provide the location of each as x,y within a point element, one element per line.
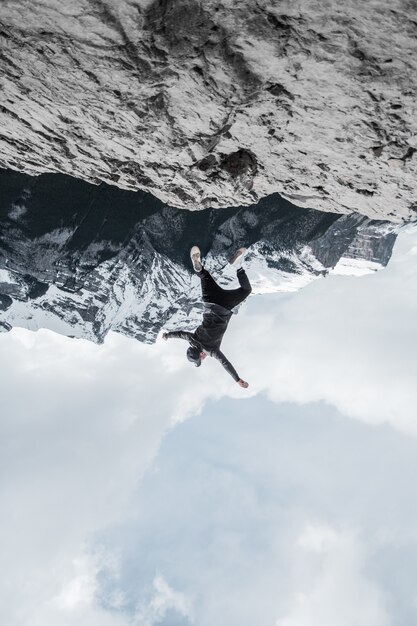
<point>208,336</point>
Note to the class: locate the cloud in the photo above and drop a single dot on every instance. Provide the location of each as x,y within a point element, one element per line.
<point>259,513</point>
<point>80,425</point>
<point>219,531</point>
<point>332,587</point>
<point>350,342</point>
<point>164,599</point>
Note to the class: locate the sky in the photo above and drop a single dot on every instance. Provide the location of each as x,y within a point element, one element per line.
<point>138,490</point>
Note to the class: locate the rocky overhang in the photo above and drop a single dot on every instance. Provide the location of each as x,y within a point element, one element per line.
<point>217,103</point>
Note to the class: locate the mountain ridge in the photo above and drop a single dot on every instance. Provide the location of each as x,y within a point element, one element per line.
<point>84,260</point>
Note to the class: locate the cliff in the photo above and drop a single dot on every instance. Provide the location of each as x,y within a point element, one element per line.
<point>217,103</point>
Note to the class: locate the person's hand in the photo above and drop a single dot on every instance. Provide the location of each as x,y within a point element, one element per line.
<point>243,383</point>
<point>165,336</point>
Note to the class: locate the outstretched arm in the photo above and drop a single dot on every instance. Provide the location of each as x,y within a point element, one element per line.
<point>229,367</point>
<point>177,334</point>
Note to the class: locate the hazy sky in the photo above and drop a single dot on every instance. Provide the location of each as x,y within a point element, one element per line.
<point>137,489</point>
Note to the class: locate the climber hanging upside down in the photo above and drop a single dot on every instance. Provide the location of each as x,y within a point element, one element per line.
<point>218,309</point>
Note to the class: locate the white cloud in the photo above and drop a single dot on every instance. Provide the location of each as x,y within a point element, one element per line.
<point>81,424</point>
<point>266,514</point>
<point>164,598</point>
<point>331,585</point>
<point>350,342</point>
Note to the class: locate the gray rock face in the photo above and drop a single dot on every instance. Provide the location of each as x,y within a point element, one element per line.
<point>217,103</point>
<point>82,260</point>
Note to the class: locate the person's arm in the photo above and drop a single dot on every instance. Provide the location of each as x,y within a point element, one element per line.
<point>229,367</point>
<point>177,334</point>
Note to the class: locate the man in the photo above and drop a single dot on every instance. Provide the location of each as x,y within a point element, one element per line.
<point>218,305</point>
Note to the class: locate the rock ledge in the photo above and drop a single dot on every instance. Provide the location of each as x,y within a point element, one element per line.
<point>217,103</point>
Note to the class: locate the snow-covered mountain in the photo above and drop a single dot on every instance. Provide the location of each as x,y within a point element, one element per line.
<point>217,103</point>
<point>82,259</point>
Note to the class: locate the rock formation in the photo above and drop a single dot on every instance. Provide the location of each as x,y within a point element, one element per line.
<point>217,103</point>
<point>82,259</point>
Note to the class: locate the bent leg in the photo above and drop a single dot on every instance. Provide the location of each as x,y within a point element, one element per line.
<point>244,280</point>
<point>233,297</point>
<point>210,290</point>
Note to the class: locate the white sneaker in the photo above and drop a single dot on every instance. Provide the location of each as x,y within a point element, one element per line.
<point>237,258</point>
<point>195,255</point>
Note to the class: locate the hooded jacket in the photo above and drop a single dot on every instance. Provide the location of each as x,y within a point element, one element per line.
<point>208,336</point>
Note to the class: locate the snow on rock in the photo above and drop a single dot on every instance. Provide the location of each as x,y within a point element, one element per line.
<point>217,103</point>
<point>83,260</point>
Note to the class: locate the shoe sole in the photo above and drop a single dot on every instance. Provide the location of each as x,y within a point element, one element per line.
<point>195,251</point>
<point>236,255</point>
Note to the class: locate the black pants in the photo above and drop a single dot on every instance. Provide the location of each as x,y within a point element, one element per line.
<point>229,298</point>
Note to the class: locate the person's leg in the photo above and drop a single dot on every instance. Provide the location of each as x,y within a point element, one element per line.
<point>244,280</point>
<point>233,297</point>
<point>210,290</point>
